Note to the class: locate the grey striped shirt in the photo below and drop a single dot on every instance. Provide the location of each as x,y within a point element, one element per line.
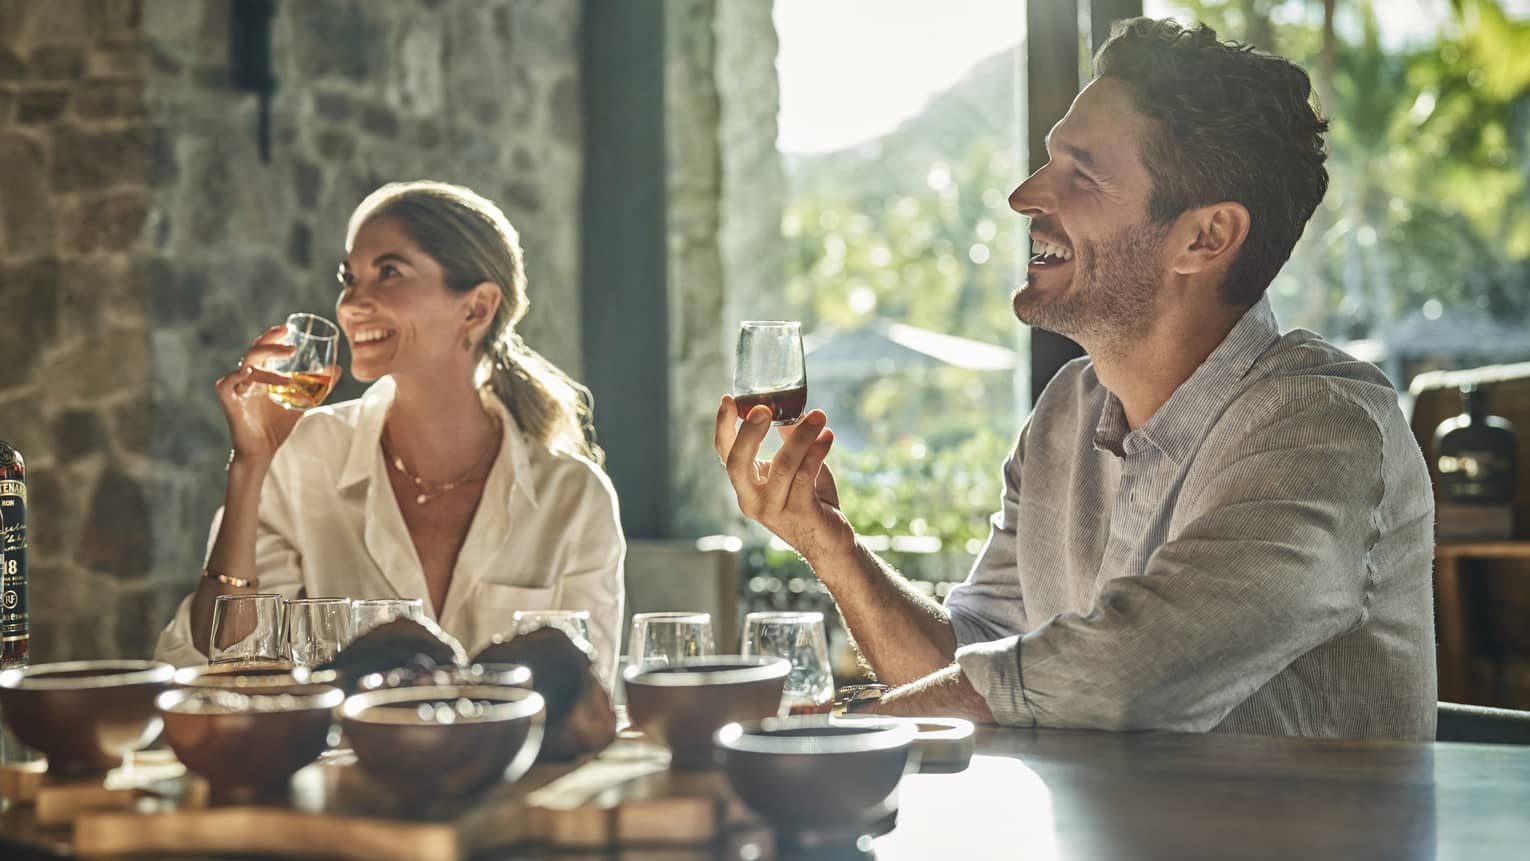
<point>1254,559</point>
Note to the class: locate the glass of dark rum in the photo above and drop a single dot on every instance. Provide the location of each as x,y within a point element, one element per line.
<point>770,370</point>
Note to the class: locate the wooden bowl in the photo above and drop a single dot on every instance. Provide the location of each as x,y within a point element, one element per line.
<point>506,675</point>
<point>251,679</point>
<point>680,706</point>
<point>84,715</point>
<point>444,742</point>
<point>248,744</point>
<point>807,773</point>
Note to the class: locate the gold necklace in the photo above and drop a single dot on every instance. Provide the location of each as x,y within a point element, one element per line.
<point>429,490</point>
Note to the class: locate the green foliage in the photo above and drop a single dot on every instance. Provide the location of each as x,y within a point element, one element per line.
<point>1429,151</point>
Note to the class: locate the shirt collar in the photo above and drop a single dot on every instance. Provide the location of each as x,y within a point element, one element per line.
<point>1177,427</point>
<point>364,460</point>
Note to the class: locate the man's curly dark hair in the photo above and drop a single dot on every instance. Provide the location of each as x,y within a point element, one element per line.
<point>1231,124</point>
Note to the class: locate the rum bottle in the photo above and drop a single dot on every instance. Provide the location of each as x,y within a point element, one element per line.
<point>14,629</point>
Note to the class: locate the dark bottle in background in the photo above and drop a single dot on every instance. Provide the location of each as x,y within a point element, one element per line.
<point>14,628</point>
<point>1476,453</point>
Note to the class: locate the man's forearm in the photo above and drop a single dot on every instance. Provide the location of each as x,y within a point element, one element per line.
<point>902,634</point>
<point>946,693</point>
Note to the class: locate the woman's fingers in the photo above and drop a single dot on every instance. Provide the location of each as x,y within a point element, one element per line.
<point>271,335</point>
<point>261,352</point>
<point>238,382</point>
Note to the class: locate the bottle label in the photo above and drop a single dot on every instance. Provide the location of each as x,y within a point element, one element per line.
<point>13,560</point>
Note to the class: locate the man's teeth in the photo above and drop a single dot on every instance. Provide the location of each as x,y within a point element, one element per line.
<point>1041,248</point>
<point>372,335</point>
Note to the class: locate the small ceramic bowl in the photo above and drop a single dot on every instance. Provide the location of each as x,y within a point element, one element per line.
<point>506,675</point>
<point>250,679</point>
<point>808,773</point>
<point>444,742</point>
<point>248,743</point>
<point>680,706</point>
<point>84,716</point>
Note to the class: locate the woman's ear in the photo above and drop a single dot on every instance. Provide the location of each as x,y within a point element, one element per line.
<point>483,302</point>
<point>1211,237</point>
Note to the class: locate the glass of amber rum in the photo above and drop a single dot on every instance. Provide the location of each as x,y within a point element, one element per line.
<point>799,638</point>
<point>315,339</point>
<point>770,370</point>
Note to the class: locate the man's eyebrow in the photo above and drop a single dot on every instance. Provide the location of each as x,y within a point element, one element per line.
<point>1078,154</point>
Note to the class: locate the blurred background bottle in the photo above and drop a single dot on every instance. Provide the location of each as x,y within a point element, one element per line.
<point>1476,453</point>
<point>14,630</point>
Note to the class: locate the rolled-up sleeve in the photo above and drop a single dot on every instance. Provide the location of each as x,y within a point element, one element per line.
<point>277,564</point>
<point>989,604</point>
<point>592,577</point>
<point>1273,560</point>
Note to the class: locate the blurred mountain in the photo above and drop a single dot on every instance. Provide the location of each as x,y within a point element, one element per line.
<point>985,104</point>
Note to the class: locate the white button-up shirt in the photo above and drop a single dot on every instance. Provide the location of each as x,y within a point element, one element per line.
<point>1254,559</point>
<point>546,534</point>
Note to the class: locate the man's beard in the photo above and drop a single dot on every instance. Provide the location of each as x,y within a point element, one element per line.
<point>1110,302</point>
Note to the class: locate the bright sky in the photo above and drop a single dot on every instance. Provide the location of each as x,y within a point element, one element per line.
<point>852,70</point>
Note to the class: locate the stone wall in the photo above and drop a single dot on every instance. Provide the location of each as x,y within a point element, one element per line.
<point>143,242</point>
<point>726,196</point>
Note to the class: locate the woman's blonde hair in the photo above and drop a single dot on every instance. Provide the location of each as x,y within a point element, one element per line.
<point>473,242</point>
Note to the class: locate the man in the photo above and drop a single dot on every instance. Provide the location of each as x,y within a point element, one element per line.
<point>1206,525</point>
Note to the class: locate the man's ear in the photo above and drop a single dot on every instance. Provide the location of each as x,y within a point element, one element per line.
<point>1209,237</point>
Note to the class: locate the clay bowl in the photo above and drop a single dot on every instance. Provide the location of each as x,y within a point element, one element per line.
<point>84,715</point>
<point>271,679</point>
<point>807,774</point>
<point>444,742</point>
<point>248,743</point>
<point>503,675</point>
<point>680,706</point>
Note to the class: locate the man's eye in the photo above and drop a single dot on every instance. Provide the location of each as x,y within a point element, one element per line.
<point>389,270</point>
<point>1083,177</point>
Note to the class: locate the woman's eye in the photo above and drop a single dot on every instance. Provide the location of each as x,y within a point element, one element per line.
<point>389,270</point>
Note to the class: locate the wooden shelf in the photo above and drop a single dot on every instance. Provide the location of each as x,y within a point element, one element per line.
<point>1484,550</point>
<point>1455,651</point>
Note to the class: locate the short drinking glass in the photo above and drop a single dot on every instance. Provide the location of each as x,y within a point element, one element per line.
<point>799,638</point>
<point>660,639</point>
<point>770,370</point>
<point>310,365</point>
<point>574,623</point>
<point>369,613</point>
<point>317,629</point>
<point>247,629</point>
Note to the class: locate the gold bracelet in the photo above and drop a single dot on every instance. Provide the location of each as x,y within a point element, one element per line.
<point>229,581</point>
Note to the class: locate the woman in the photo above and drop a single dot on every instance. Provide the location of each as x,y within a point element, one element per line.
<point>463,476</point>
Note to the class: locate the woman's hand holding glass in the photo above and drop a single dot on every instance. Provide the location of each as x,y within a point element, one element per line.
<point>254,396</point>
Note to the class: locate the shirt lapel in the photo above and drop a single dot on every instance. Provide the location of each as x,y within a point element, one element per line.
<point>384,534</point>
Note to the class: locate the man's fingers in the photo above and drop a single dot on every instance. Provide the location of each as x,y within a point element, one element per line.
<point>788,460</point>
<point>817,453</point>
<point>727,428</point>
<point>740,457</point>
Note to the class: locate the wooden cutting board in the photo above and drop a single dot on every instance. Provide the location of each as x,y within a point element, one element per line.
<point>625,796</point>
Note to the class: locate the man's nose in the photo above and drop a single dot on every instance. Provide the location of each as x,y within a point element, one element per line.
<point>1031,197</point>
